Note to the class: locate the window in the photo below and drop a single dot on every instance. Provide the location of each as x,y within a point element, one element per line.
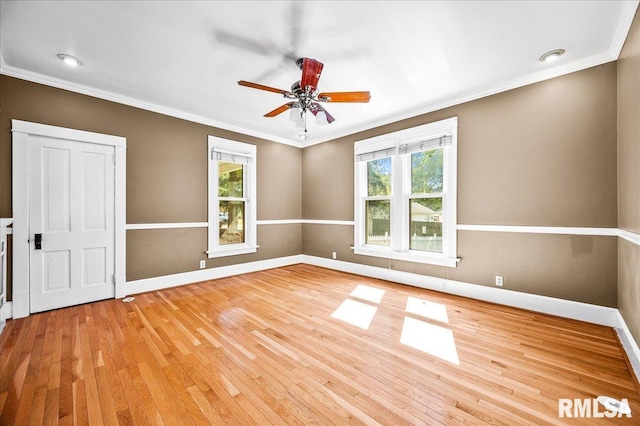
<point>232,196</point>
<point>405,194</point>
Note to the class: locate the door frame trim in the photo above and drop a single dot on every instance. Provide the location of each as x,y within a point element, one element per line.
<point>21,130</point>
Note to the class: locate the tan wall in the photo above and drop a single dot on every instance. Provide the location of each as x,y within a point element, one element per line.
<point>166,175</point>
<point>327,181</point>
<point>629,177</point>
<point>170,251</point>
<point>540,155</point>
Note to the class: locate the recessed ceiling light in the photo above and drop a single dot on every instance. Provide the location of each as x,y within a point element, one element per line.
<point>69,60</point>
<point>551,55</point>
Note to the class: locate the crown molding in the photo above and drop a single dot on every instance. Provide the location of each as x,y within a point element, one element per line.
<point>129,101</point>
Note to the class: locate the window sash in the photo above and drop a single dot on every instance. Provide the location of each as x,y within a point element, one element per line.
<point>229,183</point>
<point>413,237</point>
<point>371,237</point>
<point>235,235</point>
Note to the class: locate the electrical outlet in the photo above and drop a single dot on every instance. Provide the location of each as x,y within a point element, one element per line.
<point>203,264</point>
<point>334,254</point>
<point>499,281</point>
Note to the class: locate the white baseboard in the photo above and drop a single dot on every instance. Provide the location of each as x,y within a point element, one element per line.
<point>8,306</point>
<point>549,305</point>
<point>6,312</point>
<point>602,315</point>
<point>167,281</point>
<point>629,344</point>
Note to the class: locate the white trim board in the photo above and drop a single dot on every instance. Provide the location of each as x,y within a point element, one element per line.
<point>279,222</point>
<point>564,308</point>
<point>305,222</point>
<point>629,344</point>
<point>629,236</point>
<point>136,226</point>
<point>167,225</point>
<point>133,102</point>
<point>175,280</point>
<point>327,222</point>
<point>560,230</point>
<point>8,306</point>
<point>37,129</point>
<point>555,230</point>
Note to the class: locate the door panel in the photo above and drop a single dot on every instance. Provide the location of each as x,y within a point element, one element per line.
<point>56,276</point>
<point>94,266</point>
<point>55,193</point>
<point>93,192</point>
<point>72,206</point>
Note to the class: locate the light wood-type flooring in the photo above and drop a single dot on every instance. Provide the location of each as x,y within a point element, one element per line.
<point>305,345</point>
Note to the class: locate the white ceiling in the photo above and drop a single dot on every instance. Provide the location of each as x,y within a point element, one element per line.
<point>184,58</point>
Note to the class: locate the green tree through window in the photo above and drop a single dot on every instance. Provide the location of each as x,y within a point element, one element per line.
<point>379,177</point>
<point>426,172</point>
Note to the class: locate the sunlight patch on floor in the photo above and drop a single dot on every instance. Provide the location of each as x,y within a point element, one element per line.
<point>355,313</point>
<point>427,309</point>
<point>429,338</point>
<point>368,293</point>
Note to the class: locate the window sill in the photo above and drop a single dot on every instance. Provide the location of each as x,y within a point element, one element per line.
<point>236,250</point>
<point>408,256</point>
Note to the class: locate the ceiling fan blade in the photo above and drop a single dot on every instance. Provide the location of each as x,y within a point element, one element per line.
<point>245,43</point>
<point>280,110</point>
<point>344,96</point>
<point>311,70</point>
<point>295,23</point>
<point>263,87</point>
<point>316,108</point>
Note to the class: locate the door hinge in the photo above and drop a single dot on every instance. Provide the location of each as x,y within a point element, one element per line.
<point>114,280</point>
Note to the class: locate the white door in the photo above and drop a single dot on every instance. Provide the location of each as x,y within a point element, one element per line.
<point>71,223</point>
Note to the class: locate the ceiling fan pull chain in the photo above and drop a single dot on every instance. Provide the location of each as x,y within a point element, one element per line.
<point>304,111</point>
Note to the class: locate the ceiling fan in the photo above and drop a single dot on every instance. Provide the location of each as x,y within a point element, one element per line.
<point>305,96</point>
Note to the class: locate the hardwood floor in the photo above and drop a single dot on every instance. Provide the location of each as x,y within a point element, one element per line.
<point>279,347</point>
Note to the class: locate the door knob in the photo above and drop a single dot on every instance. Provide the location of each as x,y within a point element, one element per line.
<point>38,241</point>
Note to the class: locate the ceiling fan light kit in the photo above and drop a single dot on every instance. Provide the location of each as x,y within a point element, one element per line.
<point>305,97</point>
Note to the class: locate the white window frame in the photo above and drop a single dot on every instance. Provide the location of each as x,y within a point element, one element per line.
<point>218,146</point>
<point>401,193</point>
